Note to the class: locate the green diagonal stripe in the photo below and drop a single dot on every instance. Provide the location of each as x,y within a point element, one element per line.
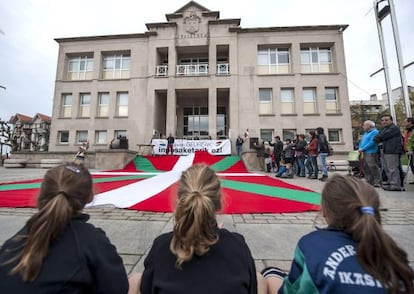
<point>143,164</point>
<point>9,187</point>
<point>225,163</point>
<point>19,186</point>
<point>121,178</point>
<point>284,193</point>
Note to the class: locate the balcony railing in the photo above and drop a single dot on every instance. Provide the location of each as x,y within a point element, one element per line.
<point>161,71</point>
<point>192,70</point>
<point>223,69</point>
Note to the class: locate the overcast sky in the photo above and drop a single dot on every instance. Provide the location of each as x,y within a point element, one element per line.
<point>28,52</point>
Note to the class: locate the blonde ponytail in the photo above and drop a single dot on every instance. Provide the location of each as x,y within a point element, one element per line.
<point>199,198</point>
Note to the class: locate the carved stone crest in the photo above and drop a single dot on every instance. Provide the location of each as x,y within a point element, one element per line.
<point>191,23</point>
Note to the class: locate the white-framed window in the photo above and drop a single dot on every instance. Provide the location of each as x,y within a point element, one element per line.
<point>287,98</point>
<point>316,59</point>
<point>80,67</point>
<point>100,137</point>
<point>116,66</point>
<point>122,104</point>
<point>273,60</point>
<point>63,137</point>
<point>81,137</point>
<point>309,100</point>
<point>103,105</point>
<point>84,104</point>
<point>288,134</point>
<point>66,110</point>
<point>266,135</point>
<point>265,101</point>
<point>331,100</point>
<point>334,135</point>
<point>120,133</point>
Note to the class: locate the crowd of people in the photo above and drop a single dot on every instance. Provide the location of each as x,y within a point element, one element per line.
<point>296,157</point>
<point>380,153</point>
<point>57,251</point>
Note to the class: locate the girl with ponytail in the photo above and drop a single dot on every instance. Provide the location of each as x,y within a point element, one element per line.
<point>57,251</point>
<point>197,256</point>
<point>353,254</point>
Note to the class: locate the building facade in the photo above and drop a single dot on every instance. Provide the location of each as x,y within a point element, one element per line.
<point>199,76</point>
<point>30,133</point>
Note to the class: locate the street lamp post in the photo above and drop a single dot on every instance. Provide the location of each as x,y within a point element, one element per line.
<point>380,14</point>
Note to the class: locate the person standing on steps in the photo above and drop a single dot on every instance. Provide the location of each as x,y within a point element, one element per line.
<point>170,144</point>
<point>323,152</point>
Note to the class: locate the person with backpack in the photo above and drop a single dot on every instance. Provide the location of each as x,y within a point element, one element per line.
<point>323,151</point>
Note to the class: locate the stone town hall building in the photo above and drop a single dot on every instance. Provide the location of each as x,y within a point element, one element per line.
<point>197,75</point>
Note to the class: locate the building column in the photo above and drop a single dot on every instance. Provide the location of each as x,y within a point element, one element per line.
<point>172,60</point>
<point>171,113</point>
<point>212,60</point>
<point>212,112</point>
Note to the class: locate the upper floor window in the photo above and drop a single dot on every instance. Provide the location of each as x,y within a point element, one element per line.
<point>287,99</point>
<point>265,101</point>
<point>63,137</point>
<point>66,110</point>
<point>116,66</point>
<point>273,60</point>
<point>81,137</point>
<point>80,67</point>
<point>309,100</point>
<point>103,105</point>
<point>120,133</point>
<point>316,59</point>
<point>84,104</point>
<point>122,104</point>
<point>331,100</point>
<point>100,137</point>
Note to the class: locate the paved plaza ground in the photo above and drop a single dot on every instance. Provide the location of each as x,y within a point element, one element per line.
<point>271,237</point>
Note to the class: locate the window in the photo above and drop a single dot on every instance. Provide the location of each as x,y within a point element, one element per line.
<point>316,59</point>
<point>103,105</point>
<point>221,123</point>
<point>81,137</point>
<point>80,67</point>
<point>265,101</point>
<point>122,104</point>
<point>84,104</point>
<point>331,100</point>
<point>334,135</point>
<point>100,137</point>
<point>309,100</point>
<point>63,137</point>
<point>266,135</point>
<point>289,134</point>
<point>195,121</point>
<point>273,61</point>
<point>287,99</point>
<point>66,110</point>
<point>120,133</point>
<point>116,66</point>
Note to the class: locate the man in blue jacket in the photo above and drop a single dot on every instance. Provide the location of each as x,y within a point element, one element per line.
<point>368,149</point>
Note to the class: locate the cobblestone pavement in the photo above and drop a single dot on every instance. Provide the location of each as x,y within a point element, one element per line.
<point>271,237</point>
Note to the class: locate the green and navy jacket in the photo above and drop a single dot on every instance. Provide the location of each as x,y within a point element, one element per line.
<point>325,261</point>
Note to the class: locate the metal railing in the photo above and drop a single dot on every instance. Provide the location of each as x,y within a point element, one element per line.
<point>223,69</point>
<point>161,70</point>
<point>192,70</point>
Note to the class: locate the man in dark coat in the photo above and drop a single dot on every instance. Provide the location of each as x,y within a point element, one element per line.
<point>391,140</point>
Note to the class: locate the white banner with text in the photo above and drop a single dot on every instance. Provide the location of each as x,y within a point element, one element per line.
<point>185,147</point>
